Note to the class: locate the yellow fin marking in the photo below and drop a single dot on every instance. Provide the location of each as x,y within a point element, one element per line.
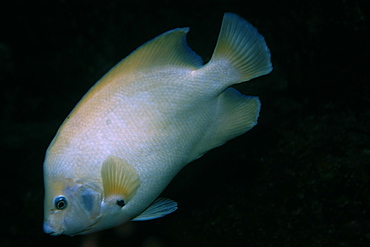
<point>168,49</point>
<point>241,44</point>
<point>119,178</point>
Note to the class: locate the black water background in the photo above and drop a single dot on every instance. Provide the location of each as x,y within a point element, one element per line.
<point>300,178</point>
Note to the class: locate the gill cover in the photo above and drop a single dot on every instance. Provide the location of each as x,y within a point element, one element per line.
<point>73,210</point>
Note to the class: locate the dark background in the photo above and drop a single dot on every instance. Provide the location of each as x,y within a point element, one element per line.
<point>299,178</point>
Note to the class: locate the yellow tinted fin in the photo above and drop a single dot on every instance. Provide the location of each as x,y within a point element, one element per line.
<point>159,208</point>
<point>236,115</point>
<point>240,44</point>
<point>168,49</point>
<point>120,179</point>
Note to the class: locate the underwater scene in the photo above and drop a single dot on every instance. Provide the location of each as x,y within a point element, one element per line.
<point>299,177</point>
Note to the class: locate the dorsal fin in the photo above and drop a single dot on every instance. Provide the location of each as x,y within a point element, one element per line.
<point>168,49</point>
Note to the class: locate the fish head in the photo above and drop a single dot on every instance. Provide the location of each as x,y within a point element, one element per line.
<point>71,207</point>
<point>83,205</point>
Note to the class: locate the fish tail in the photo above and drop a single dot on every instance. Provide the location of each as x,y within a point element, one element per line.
<point>241,53</point>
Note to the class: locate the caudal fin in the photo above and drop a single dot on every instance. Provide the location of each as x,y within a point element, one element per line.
<point>242,48</point>
<point>241,54</point>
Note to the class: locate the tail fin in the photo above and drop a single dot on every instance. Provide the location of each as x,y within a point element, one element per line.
<point>241,54</point>
<point>242,48</point>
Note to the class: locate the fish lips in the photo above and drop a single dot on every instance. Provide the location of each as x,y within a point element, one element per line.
<point>51,230</point>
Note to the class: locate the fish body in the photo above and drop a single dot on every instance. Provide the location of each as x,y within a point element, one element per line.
<point>137,127</point>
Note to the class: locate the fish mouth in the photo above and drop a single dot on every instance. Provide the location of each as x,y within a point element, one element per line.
<point>56,231</point>
<point>50,230</point>
<point>54,234</point>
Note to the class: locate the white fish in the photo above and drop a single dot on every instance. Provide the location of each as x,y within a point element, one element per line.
<point>149,116</point>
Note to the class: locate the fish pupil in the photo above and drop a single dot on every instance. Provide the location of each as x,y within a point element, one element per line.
<point>121,203</point>
<point>60,203</point>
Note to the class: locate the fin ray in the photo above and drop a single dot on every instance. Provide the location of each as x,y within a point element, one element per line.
<point>236,115</point>
<point>243,47</point>
<point>159,208</point>
<point>239,113</point>
<point>119,178</point>
<point>168,49</point>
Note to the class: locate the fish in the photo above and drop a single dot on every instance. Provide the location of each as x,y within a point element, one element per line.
<point>149,116</point>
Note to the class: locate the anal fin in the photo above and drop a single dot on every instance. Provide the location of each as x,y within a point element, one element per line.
<point>236,115</point>
<point>159,208</point>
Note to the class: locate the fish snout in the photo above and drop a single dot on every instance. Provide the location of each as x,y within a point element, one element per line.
<point>51,230</point>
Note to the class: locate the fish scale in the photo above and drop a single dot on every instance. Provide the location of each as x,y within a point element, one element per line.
<point>141,123</point>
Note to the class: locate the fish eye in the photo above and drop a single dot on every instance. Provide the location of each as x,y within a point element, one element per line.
<point>60,202</point>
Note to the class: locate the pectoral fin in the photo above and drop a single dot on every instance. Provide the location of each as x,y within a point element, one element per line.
<point>120,179</point>
<point>159,208</point>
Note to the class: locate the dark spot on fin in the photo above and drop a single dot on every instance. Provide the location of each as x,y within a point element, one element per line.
<point>121,203</point>
<point>120,179</point>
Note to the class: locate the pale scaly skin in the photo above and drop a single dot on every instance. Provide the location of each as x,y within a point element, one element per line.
<point>157,110</point>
